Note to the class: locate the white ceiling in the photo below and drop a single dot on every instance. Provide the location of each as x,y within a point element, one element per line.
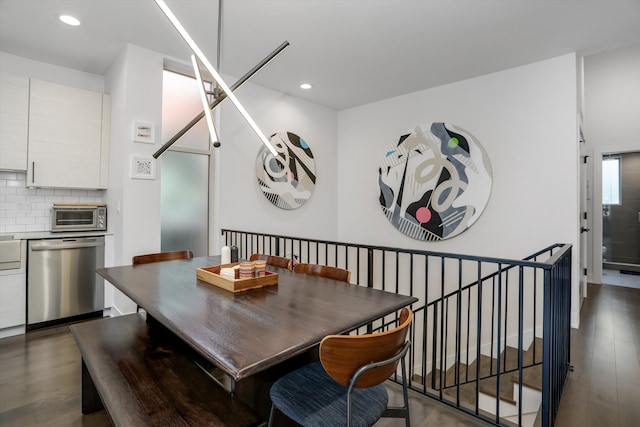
<point>353,51</point>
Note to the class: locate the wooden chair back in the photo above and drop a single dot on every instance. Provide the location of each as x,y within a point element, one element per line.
<point>161,256</point>
<point>276,261</point>
<point>334,273</point>
<point>343,355</point>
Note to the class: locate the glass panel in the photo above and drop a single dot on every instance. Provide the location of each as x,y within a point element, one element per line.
<point>180,104</point>
<point>611,181</point>
<point>185,206</point>
<point>74,217</point>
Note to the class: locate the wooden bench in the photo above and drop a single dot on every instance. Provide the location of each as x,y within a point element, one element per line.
<point>143,376</point>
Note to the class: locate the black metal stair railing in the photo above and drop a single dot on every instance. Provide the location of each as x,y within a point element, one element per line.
<point>487,332</point>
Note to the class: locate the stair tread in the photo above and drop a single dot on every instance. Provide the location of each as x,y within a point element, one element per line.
<point>531,377</point>
<point>488,368</point>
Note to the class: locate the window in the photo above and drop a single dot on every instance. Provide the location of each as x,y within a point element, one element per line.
<point>611,181</point>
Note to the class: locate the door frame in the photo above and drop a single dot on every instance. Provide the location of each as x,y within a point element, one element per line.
<point>586,217</point>
<point>597,201</point>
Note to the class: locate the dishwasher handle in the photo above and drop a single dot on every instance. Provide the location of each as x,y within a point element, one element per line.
<point>70,244</point>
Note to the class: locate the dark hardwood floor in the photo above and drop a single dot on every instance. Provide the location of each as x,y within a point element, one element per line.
<point>40,374</point>
<point>604,388</point>
<point>40,381</point>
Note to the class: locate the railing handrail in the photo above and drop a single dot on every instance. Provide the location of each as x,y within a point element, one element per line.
<point>525,262</point>
<point>549,262</point>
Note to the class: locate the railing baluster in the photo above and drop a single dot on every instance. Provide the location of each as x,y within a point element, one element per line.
<point>535,313</point>
<point>499,321</point>
<point>346,263</point>
<point>546,353</point>
<point>478,339</point>
<point>520,345</point>
<point>458,332</point>
<point>493,323</point>
<point>443,337</point>
<point>425,326</point>
<point>434,349</point>
<point>397,256</point>
<point>466,373</point>
<point>506,318</point>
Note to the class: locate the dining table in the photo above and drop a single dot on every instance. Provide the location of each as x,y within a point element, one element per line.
<point>249,333</point>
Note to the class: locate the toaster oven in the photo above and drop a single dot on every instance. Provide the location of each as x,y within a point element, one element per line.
<point>79,217</point>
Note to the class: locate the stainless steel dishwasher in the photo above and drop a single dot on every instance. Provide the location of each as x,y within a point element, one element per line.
<point>62,284</point>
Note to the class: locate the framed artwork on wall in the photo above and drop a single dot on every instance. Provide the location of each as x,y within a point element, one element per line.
<point>288,179</point>
<point>144,132</point>
<point>435,182</point>
<point>143,167</point>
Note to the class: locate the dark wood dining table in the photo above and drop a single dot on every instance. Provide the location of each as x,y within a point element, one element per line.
<point>248,332</point>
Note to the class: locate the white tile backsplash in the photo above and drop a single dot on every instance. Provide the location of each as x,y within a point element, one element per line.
<point>25,209</point>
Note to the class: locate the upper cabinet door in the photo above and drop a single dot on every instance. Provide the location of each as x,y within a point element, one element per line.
<point>14,121</point>
<point>65,137</point>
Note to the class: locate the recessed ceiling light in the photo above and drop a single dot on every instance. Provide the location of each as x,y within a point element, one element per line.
<point>69,20</point>
<point>306,86</point>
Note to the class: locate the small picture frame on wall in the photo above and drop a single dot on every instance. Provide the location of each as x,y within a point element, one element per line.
<point>144,132</point>
<point>143,167</point>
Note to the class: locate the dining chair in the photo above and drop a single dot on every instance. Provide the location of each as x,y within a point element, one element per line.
<point>346,386</point>
<point>329,272</point>
<point>161,256</point>
<point>276,261</point>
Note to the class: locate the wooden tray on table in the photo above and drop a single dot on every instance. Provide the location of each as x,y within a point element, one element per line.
<point>212,275</point>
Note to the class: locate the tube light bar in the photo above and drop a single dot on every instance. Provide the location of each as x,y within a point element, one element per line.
<point>196,50</point>
<point>205,102</point>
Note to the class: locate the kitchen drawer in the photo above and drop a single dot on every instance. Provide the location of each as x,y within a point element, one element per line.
<point>13,297</point>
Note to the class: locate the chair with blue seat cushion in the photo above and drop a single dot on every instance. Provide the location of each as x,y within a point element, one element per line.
<point>346,386</point>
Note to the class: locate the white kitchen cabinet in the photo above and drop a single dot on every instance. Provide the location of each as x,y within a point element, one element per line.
<point>14,121</point>
<point>68,137</point>
<point>13,301</point>
<point>13,289</point>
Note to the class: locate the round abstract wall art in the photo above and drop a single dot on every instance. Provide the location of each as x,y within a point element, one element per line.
<point>288,179</point>
<point>435,182</point>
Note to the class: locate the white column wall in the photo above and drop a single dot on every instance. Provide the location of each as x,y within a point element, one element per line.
<point>526,120</point>
<point>134,81</point>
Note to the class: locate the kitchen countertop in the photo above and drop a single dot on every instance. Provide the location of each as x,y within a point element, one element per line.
<point>33,235</point>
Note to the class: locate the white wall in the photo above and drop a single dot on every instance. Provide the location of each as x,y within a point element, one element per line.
<point>134,81</point>
<point>242,204</point>
<point>526,120</point>
<point>135,84</point>
<point>612,121</point>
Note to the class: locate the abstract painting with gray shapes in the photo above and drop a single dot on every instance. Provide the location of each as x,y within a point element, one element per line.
<point>288,179</point>
<point>435,182</point>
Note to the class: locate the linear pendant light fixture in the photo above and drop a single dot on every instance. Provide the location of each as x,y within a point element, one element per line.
<point>205,62</point>
<point>205,103</point>
<point>221,97</point>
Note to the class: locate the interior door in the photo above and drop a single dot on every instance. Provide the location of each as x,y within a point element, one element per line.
<point>185,205</point>
<point>185,186</point>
